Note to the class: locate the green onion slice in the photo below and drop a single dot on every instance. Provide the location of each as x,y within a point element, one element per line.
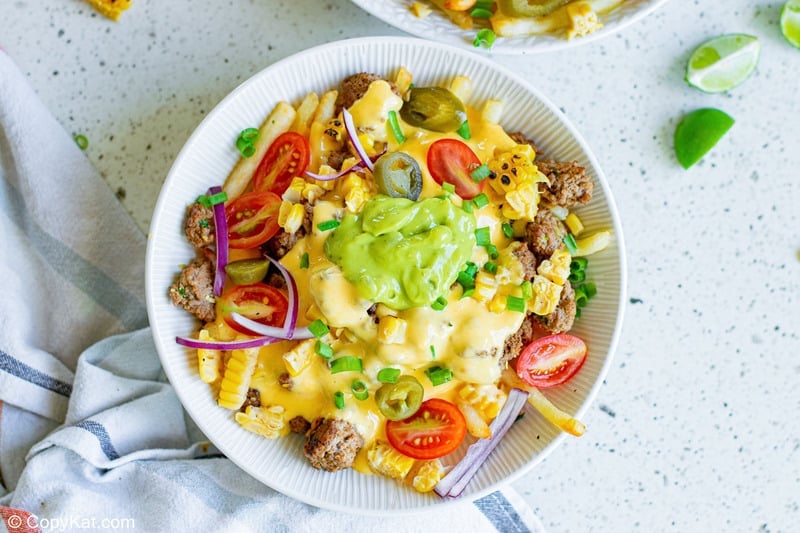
<point>439,304</point>
<point>508,230</point>
<point>569,241</point>
<point>212,200</point>
<point>249,135</point>
<point>527,289</point>
<point>338,399</point>
<point>448,187</point>
<point>577,276</point>
<point>463,131</point>
<point>479,13</point>
<point>395,127</point>
<point>468,206</point>
<point>388,375</point>
<point>439,375</point>
<point>481,200</point>
<point>318,328</point>
<point>490,267</point>
<point>433,351</point>
<point>346,363</point>
<point>491,249</point>
<point>469,292</point>
<point>578,263</point>
<point>465,280</point>
<point>484,4</point>
<point>360,390</point>
<point>485,38</point>
<point>483,236</point>
<point>323,349</point>
<point>82,141</point>
<point>304,260</point>
<point>471,269</point>
<point>515,303</point>
<point>328,224</point>
<point>480,173</point>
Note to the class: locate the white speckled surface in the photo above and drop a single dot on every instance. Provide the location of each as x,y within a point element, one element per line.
<point>697,426</point>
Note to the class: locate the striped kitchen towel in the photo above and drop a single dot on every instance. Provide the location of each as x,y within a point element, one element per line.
<point>91,434</point>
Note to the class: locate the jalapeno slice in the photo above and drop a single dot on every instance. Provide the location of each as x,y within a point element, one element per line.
<point>433,108</point>
<point>398,175</point>
<point>401,399</point>
<point>247,271</point>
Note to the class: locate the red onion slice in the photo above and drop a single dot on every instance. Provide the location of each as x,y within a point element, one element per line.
<point>293,300</point>
<point>221,230</point>
<point>225,345</point>
<point>351,131</point>
<point>270,331</point>
<point>453,484</point>
<point>329,177</point>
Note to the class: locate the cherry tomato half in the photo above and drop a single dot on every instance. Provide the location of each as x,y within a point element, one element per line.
<point>286,157</point>
<point>252,219</point>
<point>260,302</point>
<point>451,161</point>
<point>552,360</point>
<point>436,429</point>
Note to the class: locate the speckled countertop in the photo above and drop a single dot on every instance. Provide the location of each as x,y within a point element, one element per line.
<point>696,428</point>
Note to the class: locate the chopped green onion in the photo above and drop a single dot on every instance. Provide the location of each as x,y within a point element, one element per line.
<point>590,289</point>
<point>508,230</point>
<point>578,312</point>
<point>439,304</point>
<point>338,399</point>
<point>439,375</point>
<point>484,4</point>
<point>433,351</point>
<point>468,206</point>
<point>324,350</point>
<point>318,328</point>
<point>360,390</point>
<point>82,141</point>
<point>448,187</point>
<point>346,363</point>
<point>578,263</point>
<point>572,246</point>
<point>244,143</point>
<point>491,249</point>
<point>527,289</point>
<point>388,375</point>
<point>471,269</point>
<point>395,126</point>
<point>480,173</point>
<point>328,224</point>
<point>304,260</point>
<point>483,236</point>
<point>580,296</point>
<point>484,38</point>
<point>249,135</point>
<point>469,292</point>
<point>490,267</point>
<point>480,13</point>
<point>577,276</point>
<point>515,303</point>
<point>214,199</point>
<point>463,131</point>
<point>481,200</point>
<point>465,280</point>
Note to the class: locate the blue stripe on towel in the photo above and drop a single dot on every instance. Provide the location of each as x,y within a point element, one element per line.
<point>99,431</point>
<point>499,511</point>
<point>17,368</point>
<point>74,268</point>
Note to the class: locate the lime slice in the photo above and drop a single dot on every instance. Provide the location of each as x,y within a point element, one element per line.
<point>790,22</point>
<point>723,62</point>
<point>698,132</point>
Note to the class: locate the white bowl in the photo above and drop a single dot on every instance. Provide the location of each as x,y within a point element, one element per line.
<point>438,27</point>
<point>208,157</point>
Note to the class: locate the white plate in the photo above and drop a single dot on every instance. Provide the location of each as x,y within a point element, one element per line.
<point>438,27</point>
<point>206,160</point>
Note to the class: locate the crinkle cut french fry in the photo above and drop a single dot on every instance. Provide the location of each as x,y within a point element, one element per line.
<point>278,122</point>
<point>459,18</point>
<point>305,114</point>
<point>492,111</point>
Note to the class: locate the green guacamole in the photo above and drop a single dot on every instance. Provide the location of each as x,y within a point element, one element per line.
<point>402,253</point>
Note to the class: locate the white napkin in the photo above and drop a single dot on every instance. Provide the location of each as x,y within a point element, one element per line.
<point>91,434</point>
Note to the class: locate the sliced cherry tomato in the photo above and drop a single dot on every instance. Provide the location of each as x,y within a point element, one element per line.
<point>451,161</point>
<point>286,157</point>
<point>260,302</point>
<point>252,219</point>
<point>436,429</point>
<point>552,360</point>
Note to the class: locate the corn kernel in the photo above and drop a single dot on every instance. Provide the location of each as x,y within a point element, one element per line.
<point>428,476</point>
<point>546,295</point>
<point>236,380</point>
<point>387,461</point>
<point>294,193</point>
<point>574,224</point>
<point>487,399</point>
<point>290,216</point>
<point>265,421</point>
<point>208,361</point>
<point>485,286</point>
<point>392,330</point>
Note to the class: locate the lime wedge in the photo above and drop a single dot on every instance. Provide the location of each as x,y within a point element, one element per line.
<point>790,22</point>
<point>723,62</point>
<point>698,132</point>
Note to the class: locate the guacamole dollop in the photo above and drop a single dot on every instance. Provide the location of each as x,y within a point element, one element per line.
<point>403,253</point>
